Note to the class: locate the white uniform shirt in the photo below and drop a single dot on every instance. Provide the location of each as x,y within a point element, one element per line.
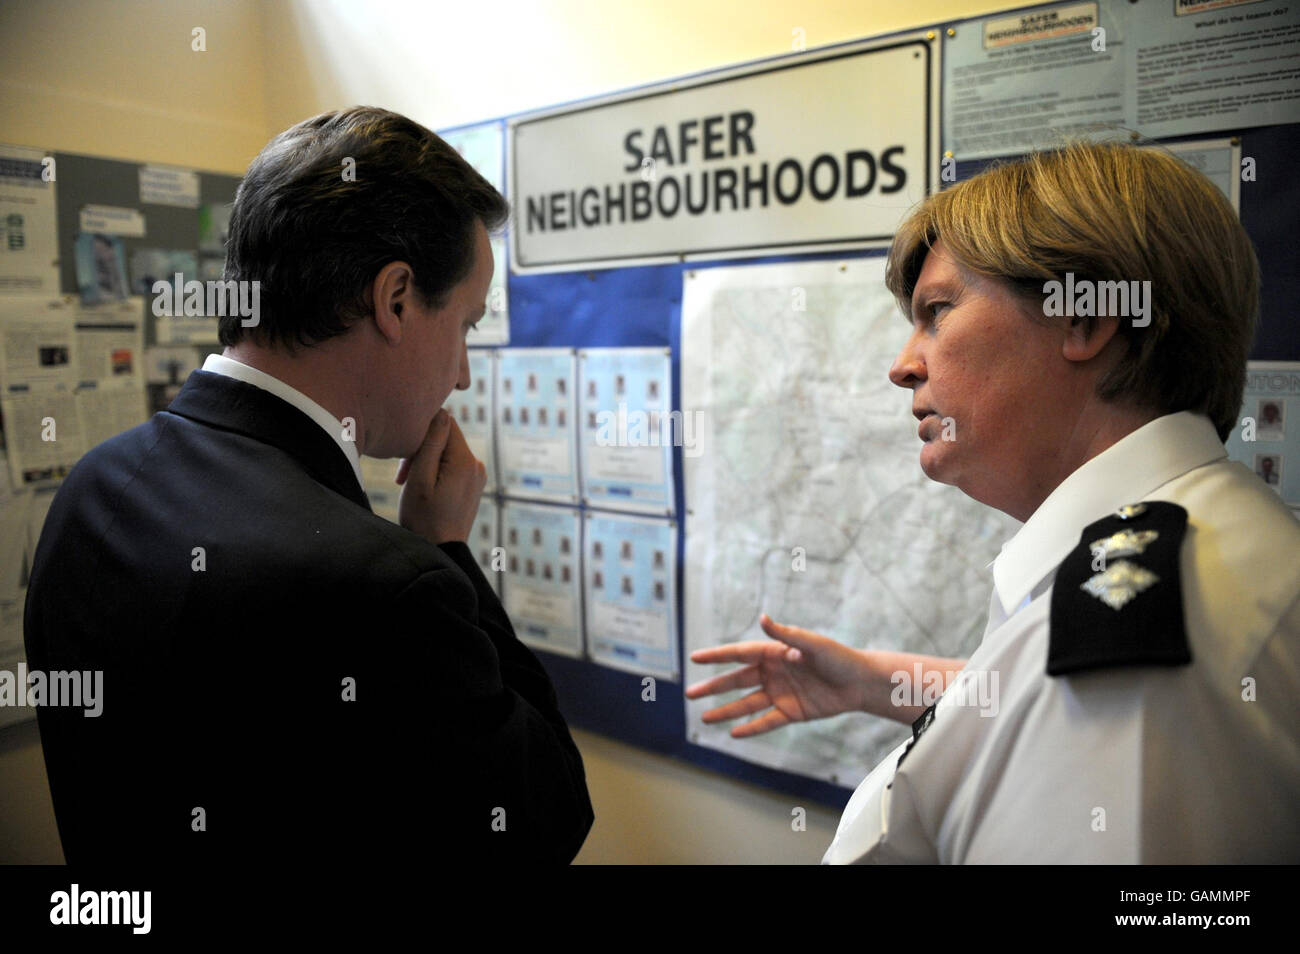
<point>1133,764</point>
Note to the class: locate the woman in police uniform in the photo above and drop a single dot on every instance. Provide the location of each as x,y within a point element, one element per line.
<point>1144,624</point>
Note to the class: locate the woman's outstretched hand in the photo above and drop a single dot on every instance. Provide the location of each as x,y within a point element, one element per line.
<point>800,675</point>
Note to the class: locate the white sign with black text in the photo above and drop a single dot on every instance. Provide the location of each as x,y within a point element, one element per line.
<point>820,150</point>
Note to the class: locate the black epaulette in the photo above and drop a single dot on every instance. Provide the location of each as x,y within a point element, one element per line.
<point>1117,600</point>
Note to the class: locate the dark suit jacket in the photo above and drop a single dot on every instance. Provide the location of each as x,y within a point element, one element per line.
<point>223,686</point>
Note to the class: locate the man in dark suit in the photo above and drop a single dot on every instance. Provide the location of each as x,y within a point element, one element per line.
<point>288,676</point>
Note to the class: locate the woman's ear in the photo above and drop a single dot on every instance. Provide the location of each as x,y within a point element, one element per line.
<point>1086,337</point>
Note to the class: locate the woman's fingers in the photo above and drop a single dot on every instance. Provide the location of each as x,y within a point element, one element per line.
<point>802,639</point>
<point>764,723</point>
<point>756,701</point>
<point>750,652</point>
<point>756,650</point>
<point>738,679</point>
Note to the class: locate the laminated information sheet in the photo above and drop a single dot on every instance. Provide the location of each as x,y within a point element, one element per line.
<point>1098,69</point>
<point>630,571</point>
<point>1267,436</point>
<point>542,586</point>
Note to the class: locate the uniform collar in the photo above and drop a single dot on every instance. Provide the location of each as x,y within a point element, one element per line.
<point>234,405</point>
<point>1127,471</point>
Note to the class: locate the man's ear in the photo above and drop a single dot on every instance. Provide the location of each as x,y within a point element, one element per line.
<point>1086,337</point>
<point>391,291</point>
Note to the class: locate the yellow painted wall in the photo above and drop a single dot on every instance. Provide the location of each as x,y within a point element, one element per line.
<point>119,78</point>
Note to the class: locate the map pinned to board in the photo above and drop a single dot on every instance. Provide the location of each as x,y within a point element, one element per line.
<point>806,500</point>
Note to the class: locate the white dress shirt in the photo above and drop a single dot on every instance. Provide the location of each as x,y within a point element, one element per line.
<point>1131,764</point>
<point>219,364</point>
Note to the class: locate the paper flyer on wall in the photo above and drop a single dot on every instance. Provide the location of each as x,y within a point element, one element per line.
<point>536,436</point>
<point>1023,81</point>
<point>185,314</point>
<point>43,434</point>
<point>1197,66</point>
<point>473,411</point>
<point>483,147</point>
<point>29,245</point>
<point>164,185</point>
<point>630,582</point>
<point>110,344</point>
<point>38,343</point>
<point>1027,80</point>
<point>494,327</point>
<point>541,584</point>
<point>100,268</point>
<point>112,220</point>
<point>1267,436</point>
<point>71,376</point>
<point>627,429</point>
<point>152,265</point>
<point>108,410</point>
<point>1219,160</point>
<point>165,371</point>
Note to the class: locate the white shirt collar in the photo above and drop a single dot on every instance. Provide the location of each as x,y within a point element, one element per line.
<point>1126,472</point>
<point>220,364</point>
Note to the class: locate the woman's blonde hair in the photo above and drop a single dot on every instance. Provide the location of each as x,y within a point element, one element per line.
<point>1111,212</point>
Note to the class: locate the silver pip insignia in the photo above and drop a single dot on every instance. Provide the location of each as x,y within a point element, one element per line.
<point>1123,543</point>
<point>1119,583</point>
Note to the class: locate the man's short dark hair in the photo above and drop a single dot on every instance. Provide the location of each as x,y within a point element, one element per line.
<point>315,235</point>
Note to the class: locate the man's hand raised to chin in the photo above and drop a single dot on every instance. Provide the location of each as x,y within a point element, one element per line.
<point>441,484</point>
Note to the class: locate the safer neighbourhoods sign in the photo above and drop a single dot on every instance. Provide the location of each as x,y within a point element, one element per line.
<point>822,150</point>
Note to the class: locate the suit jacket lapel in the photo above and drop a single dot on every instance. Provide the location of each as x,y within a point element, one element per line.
<point>225,402</point>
